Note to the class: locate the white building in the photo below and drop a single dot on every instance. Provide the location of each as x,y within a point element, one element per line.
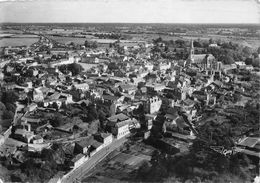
<point>78,160</point>
<point>153,105</point>
<point>82,86</point>
<point>71,60</point>
<point>120,125</point>
<point>165,66</point>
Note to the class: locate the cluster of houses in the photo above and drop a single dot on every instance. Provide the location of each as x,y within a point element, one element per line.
<point>130,85</point>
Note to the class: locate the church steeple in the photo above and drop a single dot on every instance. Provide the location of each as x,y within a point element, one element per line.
<point>191,52</point>
<point>191,48</point>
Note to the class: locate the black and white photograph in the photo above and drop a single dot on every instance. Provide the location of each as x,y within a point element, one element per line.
<point>129,91</point>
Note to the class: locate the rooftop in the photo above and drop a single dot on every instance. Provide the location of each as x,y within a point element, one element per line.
<point>249,141</point>
<point>118,117</point>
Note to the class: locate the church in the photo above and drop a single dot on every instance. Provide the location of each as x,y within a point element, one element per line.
<point>203,61</point>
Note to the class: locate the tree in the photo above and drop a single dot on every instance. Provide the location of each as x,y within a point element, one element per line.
<point>86,44</point>
<point>140,85</point>
<point>158,40</point>
<point>10,97</point>
<point>2,108</point>
<point>258,50</point>
<point>211,41</point>
<point>75,68</point>
<point>228,60</point>
<point>256,62</point>
<point>94,45</point>
<point>248,61</point>
<point>56,121</point>
<point>197,44</point>
<point>8,115</point>
<point>247,51</point>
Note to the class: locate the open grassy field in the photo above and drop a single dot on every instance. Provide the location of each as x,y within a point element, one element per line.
<point>67,40</point>
<point>17,41</point>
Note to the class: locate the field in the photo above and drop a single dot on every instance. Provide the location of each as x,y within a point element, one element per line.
<point>245,41</point>
<point>67,40</point>
<point>120,165</point>
<point>17,41</point>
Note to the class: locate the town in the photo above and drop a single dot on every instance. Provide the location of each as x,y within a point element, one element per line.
<point>74,111</point>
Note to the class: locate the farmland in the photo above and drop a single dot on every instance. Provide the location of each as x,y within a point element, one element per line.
<point>67,40</point>
<point>17,41</point>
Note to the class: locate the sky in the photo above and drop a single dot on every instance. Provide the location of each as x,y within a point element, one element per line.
<point>131,11</point>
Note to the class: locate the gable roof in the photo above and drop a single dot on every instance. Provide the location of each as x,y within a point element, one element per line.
<point>86,142</point>
<point>118,117</point>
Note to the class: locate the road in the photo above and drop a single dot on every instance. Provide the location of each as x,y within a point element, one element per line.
<point>77,174</point>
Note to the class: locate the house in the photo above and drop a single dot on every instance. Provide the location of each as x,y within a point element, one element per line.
<point>70,60</point>
<point>83,146</point>
<point>175,122</point>
<point>119,124</point>
<point>249,67</point>
<point>95,147</point>
<point>240,64</point>
<point>78,160</point>
<point>218,83</point>
<point>109,98</point>
<point>23,135</point>
<point>36,95</point>
<point>229,67</point>
<point>121,129</point>
<point>149,66</point>
<point>118,117</point>
<point>33,121</point>
<point>127,88</point>
<point>213,45</point>
<point>164,66</point>
<point>37,140</point>
<point>67,97</point>
<point>82,86</point>
<point>105,138</point>
<point>155,87</point>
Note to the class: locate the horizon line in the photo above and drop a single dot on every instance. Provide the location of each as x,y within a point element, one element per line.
<point>224,23</point>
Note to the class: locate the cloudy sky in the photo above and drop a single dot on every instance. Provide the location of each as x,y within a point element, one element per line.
<point>135,11</point>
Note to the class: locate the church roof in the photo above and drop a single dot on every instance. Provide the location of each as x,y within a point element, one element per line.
<point>197,58</point>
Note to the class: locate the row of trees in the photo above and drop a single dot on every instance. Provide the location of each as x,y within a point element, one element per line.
<point>91,44</point>
<point>108,36</point>
<point>227,52</point>
<point>7,106</point>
